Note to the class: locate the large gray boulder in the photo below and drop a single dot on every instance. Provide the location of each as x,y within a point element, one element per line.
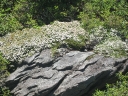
<point>72,74</point>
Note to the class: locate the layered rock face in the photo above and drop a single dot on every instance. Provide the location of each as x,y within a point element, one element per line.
<point>74,73</point>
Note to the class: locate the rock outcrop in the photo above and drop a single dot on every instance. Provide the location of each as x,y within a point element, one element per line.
<point>73,74</point>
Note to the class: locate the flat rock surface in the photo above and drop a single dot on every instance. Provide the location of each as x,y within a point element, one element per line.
<point>73,74</point>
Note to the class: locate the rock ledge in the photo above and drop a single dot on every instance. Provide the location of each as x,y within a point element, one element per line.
<point>73,74</point>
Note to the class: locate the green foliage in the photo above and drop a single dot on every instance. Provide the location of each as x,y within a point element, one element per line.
<point>30,13</point>
<point>54,48</point>
<point>3,74</point>
<point>8,23</point>
<point>5,92</point>
<point>71,44</point>
<point>23,13</point>
<point>3,63</point>
<point>107,13</point>
<point>76,44</point>
<point>46,11</point>
<point>120,88</point>
<point>3,68</point>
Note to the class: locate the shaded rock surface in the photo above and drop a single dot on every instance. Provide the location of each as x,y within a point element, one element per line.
<point>73,74</point>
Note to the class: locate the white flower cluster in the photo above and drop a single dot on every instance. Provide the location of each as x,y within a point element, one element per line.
<point>109,42</point>
<point>99,34</point>
<point>21,44</point>
<point>113,47</point>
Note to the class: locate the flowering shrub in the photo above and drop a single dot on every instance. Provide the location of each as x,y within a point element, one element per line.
<point>21,44</point>
<point>100,34</point>
<point>113,47</point>
<point>108,43</point>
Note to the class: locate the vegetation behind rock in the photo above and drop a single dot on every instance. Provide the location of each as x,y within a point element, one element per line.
<point>15,15</point>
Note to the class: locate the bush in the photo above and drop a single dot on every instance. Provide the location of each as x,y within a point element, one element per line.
<point>77,44</point>
<point>22,11</point>
<point>8,23</point>
<point>30,13</point>
<point>107,13</point>
<point>120,88</point>
<point>50,10</point>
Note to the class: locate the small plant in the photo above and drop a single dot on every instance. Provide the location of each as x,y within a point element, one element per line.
<point>3,62</point>
<point>4,91</point>
<point>119,88</point>
<point>54,48</point>
<point>3,74</point>
<point>77,44</point>
<point>72,44</point>
<point>3,67</point>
